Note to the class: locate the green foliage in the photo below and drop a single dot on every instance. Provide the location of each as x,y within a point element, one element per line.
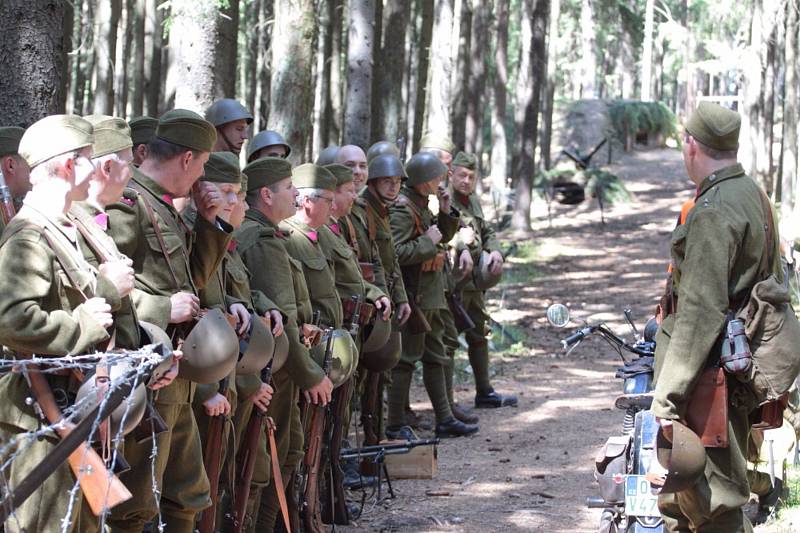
<point>601,183</point>
<point>630,117</point>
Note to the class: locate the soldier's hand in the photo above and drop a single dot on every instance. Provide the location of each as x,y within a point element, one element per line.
<point>321,392</point>
<point>444,199</point>
<point>209,200</point>
<point>217,405</point>
<point>434,234</point>
<point>466,235</point>
<point>242,318</point>
<point>277,322</point>
<point>495,262</point>
<point>666,428</point>
<point>262,397</point>
<point>170,375</point>
<point>403,313</point>
<point>465,262</point>
<point>120,274</point>
<point>383,305</point>
<point>184,307</point>
<point>100,311</point>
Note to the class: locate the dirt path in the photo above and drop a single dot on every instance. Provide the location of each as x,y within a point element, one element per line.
<point>530,468</point>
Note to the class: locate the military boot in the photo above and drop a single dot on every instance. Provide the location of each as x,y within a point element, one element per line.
<point>462,414</point>
<point>451,427</point>
<point>492,400</point>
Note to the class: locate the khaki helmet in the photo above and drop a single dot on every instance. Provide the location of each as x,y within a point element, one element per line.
<point>266,138</point>
<point>128,413</point>
<point>327,156</point>
<point>257,349</point>
<point>384,358</point>
<point>344,357</point>
<point>227,110</point>
<point>386,166</point>
<point>424,167</point>
<point>281,353</point>
<point>382,148</point>
<point>211,350</point>
<point>484,279</point>
<point>376,334</point>
<point>150,334</point>
<point>679,464</point>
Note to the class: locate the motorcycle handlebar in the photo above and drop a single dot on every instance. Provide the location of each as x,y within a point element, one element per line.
<point>577,336</point>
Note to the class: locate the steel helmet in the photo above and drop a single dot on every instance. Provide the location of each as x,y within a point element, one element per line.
<point>484,279</point>
<point>382,148</point>
<point>376,334</point>
<point>266,138</point>
<point>281,353</point>
<point>227,110</point>
<point>255,351</point>
<point>327,156</point>
<point>384,358</point>
<point>386,166</point>
<point>211,350</point>
<point>150,334</point>
<point>93,389</point>
<point>679,464</point>
<point>344,357</point>
<point>424,167</point>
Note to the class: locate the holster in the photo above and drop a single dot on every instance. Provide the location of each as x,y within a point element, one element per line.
<point>365,315</point>
<point>707,409</point>
<point>367,271</point>
<point>417,323</point>
<point>770,414</point>
<point>462,320</point>
<point>311,335</point>
<point>435,263</point>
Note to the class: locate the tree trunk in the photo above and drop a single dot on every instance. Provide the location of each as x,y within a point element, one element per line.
<point>390,120</point>
<point>123,59</point>
<point>264,60</point>
<point>154,19</point>
<point>423,59</point>
<point>789,162</point>
<point>440,71</point>
<point>32,58</point>
<point>67,50</point>
<point>335,110</point>
<point>765,162</point>
<point>647,52</point>
<point>105,46</point>
<point>85,79</point>
<point>137,72</point>
<point>378,62</point>
<point>463,76</point>
<point>499,148</point>
<point>476,105</point>
<point>548,101</point>
<point>323,77</point>
<point>359,73</point>
<point>522,91</point>
<point>292,88</point>
<point>537,10</point>
<point>74,66</point>
<point>226,53</point>
<point>588,71</point>
<point>248,28</point>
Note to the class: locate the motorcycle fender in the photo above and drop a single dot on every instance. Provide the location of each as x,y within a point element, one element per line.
<point>611,467</point>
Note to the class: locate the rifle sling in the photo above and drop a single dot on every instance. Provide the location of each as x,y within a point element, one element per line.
<point>276,473</point>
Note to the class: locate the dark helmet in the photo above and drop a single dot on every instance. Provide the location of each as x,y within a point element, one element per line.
<point>382,148</point>
<point>344,358</point>
<point>256,351</point>
<point>484,279</point>
<point>152,334</point>
<point>94,388</point>
<point>424,167</point>
<point>266,138</point>
<point>227,110</point>
<point>650,330</point>
<point>680,463</point>
<point>384,358</point>
<point>211,349</point>
<point>327,156</point>
<point>281,353</point>
<point>386,166</point>
<point>376,334</point>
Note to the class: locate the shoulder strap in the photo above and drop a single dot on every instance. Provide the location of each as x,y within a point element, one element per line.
<point>769,242</point>
<point>414,212</point>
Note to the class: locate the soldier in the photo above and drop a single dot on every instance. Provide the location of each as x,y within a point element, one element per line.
<point>49,306</point>
<point>272,198</point>
<point>382,148</point>
<point>354,157</point>
<point>170,268</point>
<point>13,167</point>
<point>418,236</point>
<point>477,237</point>
<point>716,255</point>
<point>267,143</point>
<point>440,146</point>
<point>231,120</point>
<point>143,131</point>
<point>327,156</point>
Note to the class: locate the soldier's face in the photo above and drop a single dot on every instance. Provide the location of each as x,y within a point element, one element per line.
<point>237,214</point>
<point>192,167</point>
<point>234,134</point>
<point>113,176</point>
<point>355,158</point>
<point>343,199</point>
<point>388,188</point>
<point>275,150</point>
<point>230,198</point>
<point>318,208</point>
<point>464,180</point>
<point>84,173</point>
<point>283,199</point>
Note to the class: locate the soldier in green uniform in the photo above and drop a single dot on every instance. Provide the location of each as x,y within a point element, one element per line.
<point>268,143</point>
<point>354,157</point>
<point>478,236</point>
<point>50,306</point>
<point>143,131</point>
<point>13,167</point>
<point>170,269</point>
<point>419,238</point>
<point>232,122</point>
<point>715,258</point>
<point>272,198</point>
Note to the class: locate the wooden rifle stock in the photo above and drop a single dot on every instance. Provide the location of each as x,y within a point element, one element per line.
<point>100,488</point>
<point>335,512</point>
<point>212,460</point>
<point>370,403</point>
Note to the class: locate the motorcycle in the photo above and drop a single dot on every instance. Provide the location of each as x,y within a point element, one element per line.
<point>626,498</point>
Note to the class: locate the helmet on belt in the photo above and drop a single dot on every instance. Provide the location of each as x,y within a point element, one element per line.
<point>94,388</point>
<point>327,156</point>
<point>386,166</point>
<point>344,355</point>
<point>384,358</point>
<point>256,350</point>
<point>484,279</point>
<point>227,110</point>
<point>679,464</point>
<point>266,138</point>
<point>152,334</point>
<point>281,353</point>
<point>376,334</point>
<point>211,350</point>
<point>424,167</point>
<point>382,148</point>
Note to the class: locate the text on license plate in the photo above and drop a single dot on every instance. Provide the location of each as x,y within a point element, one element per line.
<point>639,501</point>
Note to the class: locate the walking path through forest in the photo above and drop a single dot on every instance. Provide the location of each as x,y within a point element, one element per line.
<point>530,468</point>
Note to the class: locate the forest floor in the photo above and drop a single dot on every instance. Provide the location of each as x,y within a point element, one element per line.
<point>530,468</point>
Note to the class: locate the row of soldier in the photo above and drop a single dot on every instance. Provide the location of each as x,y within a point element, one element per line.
<point>131,233</point>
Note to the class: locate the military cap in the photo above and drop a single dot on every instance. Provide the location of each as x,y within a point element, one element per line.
<point>382,148</point>
<point>328,155</point>
<point>9,140</point>
<point>266,171</point>
<point>244,182</point>
<point>227,110</point>
<point>143,129</point>
<point>435,140</point>
<point>54,135</point>
<point>465,160</point>
<point>222,167</point>
<point>342,173</point>
<point>715,126</point>
<point>110,134</point>
<point>187,128</point>
<point>313,176</point>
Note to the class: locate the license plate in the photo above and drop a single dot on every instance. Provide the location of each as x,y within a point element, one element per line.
<point>639,501</point>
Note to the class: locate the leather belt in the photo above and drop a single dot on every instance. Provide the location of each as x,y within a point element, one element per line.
<point>367,311</point>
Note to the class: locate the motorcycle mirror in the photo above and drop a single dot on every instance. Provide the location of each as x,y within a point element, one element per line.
<point>558,315</point>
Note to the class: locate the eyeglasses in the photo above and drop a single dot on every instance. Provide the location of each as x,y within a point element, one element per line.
<point>76,156</point>
<point>327,199</point>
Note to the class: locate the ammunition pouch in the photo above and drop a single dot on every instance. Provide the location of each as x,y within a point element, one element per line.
<point>364,316</point>
<point>367,271</point>
<point>435,263</point>
<point>610,468</point>
<point>311,335</point>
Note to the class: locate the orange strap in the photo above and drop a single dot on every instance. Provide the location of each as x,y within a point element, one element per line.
<point>685,208</point>
<point>276,474</point>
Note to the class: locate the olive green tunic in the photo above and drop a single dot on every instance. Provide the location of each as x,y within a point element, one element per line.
<point>347,273</point>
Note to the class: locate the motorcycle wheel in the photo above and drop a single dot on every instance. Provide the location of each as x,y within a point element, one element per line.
<point>610,521</point>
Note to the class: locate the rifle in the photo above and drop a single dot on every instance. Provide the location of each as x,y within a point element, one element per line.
<point>335,512</point>
<point>370,403</point>
<point>7,209</point>
<point>212,461</point>
<point>309,477</point>
<point>389,448</point>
